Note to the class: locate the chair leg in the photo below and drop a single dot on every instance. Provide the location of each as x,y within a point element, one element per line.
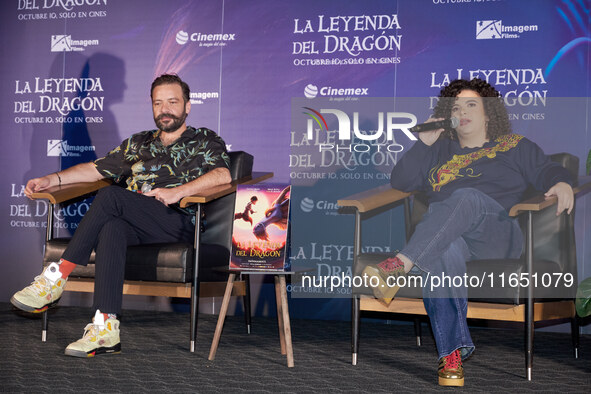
<point>574,330</point>
<point>246,302</point>
<point>529,304</point>
<point>286,322</point>
<point>280,315</point>
<point>44,325</point>
<point>418,330</point>
<point>195,281</point>
<point>355,317</point>
<point>194,312</point>
<point>529,347</point>
<point>223,311</point>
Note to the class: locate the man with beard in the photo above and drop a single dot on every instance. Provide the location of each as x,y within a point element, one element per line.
<point>159,167</point>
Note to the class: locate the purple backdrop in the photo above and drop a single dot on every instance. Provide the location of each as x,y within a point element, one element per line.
<point>76,82</point>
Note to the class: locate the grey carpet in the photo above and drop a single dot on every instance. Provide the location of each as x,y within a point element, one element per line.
<point>155,358</point>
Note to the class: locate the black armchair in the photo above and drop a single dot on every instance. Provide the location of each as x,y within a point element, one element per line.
<point>170,270</point>
<point>549,249</point>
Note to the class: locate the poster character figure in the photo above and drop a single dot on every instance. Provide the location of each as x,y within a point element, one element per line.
<point>277,214</point>
<point>245,215</point>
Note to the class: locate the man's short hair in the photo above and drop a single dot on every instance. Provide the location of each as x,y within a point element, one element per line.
<point>167,79</point>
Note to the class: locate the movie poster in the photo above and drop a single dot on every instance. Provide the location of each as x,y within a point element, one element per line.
<point>260,227</point>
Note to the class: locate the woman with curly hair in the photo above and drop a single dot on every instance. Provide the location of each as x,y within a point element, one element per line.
<point>471,175</point>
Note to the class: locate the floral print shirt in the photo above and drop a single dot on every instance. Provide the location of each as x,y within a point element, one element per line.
<point>143,159</point>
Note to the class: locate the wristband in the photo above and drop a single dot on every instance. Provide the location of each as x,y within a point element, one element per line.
<point>58,178</point>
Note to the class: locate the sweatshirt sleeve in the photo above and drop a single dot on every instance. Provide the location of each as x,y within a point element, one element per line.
<point>412,170</point>
<point>539,170</point>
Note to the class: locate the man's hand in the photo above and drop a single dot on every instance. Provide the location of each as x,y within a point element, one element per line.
<point>429,137</point>
<point>83,172</point>
<point>213,178</point>
<point>566,200</point>
<point>38,184</point>
<point>165,195</point>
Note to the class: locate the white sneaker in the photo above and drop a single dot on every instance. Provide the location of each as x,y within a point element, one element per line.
<point>46,290</point>
<point>100,337</point>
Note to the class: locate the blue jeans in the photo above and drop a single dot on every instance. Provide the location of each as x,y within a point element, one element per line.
<point>468,225</point>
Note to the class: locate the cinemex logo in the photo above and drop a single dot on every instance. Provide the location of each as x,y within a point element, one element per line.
<point>308,205</point>
<point>64,43</point>
<point>182,37</point>
<point>312,91</point>
<point>494,29</point>
<point>61,148</point>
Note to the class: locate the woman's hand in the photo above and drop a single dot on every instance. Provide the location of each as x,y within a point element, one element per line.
<point>429,137</point>
<point>566,199</point>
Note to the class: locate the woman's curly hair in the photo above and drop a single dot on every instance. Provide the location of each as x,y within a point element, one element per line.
<point>494,107</point>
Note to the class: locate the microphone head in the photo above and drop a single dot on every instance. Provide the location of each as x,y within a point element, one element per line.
<point>146,187</point>
<point>454,122</point>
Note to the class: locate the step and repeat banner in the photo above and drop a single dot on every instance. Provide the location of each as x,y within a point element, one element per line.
<point>76,76</point>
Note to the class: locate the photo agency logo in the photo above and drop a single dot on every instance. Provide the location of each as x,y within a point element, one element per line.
<point>64,43</point>
<point>204,39</point>
<point>60,148</point>
<point>494,29</point>
<point>349,131</point>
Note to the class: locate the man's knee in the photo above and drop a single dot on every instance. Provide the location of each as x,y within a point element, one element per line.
<point>110,195</point>
<point>113,231</point>
<point>109,191</point>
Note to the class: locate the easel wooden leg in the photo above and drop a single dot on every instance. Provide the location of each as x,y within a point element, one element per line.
<point>286,322</point>
<point>279,314</point>
<point>222,316</point>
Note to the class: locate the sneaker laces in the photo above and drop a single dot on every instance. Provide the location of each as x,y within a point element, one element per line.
<point>40,284</point>
<point>453,361</point>
<point>91,331</point>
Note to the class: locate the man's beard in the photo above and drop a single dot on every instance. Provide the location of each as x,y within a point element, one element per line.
<point>177,121</point>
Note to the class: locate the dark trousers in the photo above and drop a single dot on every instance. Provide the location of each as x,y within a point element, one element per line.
<point>117,219</point>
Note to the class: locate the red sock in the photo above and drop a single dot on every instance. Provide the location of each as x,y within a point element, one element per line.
<point>66,267</point>
<point>109,316</point>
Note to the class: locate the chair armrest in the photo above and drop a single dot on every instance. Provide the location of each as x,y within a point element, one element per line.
<point>540,202</point>
<point>58,194</point>
<point>374,198</point>
<point>223,190</point>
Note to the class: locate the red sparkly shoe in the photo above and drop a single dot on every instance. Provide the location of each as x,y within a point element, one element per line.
<point>386,273</point>
<point>451,371</point>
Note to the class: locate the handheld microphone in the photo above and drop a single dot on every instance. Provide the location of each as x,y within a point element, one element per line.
<point>440,124</point>
<point>146,187</point>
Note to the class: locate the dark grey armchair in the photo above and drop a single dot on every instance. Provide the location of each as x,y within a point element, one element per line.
<point>549,249</point>
<point>170,270</point>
